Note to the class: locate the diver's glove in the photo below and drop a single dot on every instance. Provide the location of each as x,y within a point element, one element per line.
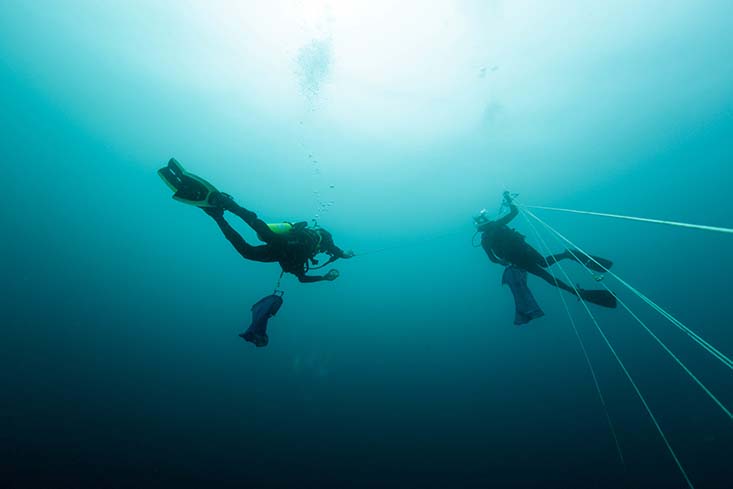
<point>349,254</point>
<point>332,275</point>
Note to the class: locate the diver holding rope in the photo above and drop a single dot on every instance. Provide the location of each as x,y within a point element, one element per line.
<point>505,246</point>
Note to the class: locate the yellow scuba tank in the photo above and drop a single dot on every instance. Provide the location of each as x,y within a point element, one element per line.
<point>313,236</point>
<point>280,227</point>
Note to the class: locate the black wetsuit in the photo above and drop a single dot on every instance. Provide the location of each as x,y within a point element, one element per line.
<point>506,246</point>
<point>293,250</point>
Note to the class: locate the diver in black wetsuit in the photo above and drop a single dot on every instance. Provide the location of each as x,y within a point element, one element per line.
<point>506,246</point>
<point>295,249</point>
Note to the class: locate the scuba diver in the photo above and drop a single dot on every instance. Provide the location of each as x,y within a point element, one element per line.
<point>294,246</point>
<point>507,247</point>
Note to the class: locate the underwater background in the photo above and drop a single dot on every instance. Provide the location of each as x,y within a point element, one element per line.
<point>391,123</point>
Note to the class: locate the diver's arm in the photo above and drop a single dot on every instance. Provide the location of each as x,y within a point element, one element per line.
<point>337,252</point>
<point>492,256</point>
<point>330,247</point>
<point>486,245</point>
<point>306,279</point>
<point>513,211</point>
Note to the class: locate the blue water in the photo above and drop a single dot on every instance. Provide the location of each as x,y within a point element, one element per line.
<point>392,124</point>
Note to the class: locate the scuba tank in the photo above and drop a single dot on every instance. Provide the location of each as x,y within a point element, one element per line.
<point>281,227</point>
<point>298,233</point>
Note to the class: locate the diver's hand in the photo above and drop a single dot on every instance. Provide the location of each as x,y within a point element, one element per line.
<point>349,254</point>
<point>332,275</point>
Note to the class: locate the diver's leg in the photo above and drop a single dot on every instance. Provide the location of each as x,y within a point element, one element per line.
<point>552,259</point>
<point>602,298</point>
<point>258,225</point>
<point>527,257</point>
<point>595,263</point>
<point>263,253</point>
<point>544,275</point>
<point>534,256</point>
<point>255,253</point>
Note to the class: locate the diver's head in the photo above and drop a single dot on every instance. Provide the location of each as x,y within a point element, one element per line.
<point>481,218</point>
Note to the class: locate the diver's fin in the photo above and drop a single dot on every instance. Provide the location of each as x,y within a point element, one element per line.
<point>604,263</point>
<point>601,298</point>
<point>188,188</point>
<point>599,265</point>
<point>170,178</point>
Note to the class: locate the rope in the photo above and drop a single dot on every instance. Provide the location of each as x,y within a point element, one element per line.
<point>651,333</point>
<point>628,376</point>
<point>582,347</point>
<point>700,341</point>
<point>641,219</point>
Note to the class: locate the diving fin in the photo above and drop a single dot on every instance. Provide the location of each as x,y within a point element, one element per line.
<point>187,187</point>
<point>595,263</point>
<point>601,298</point>
<point>604,263</point>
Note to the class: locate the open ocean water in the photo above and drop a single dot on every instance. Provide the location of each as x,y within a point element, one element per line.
<point>391,124</point>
